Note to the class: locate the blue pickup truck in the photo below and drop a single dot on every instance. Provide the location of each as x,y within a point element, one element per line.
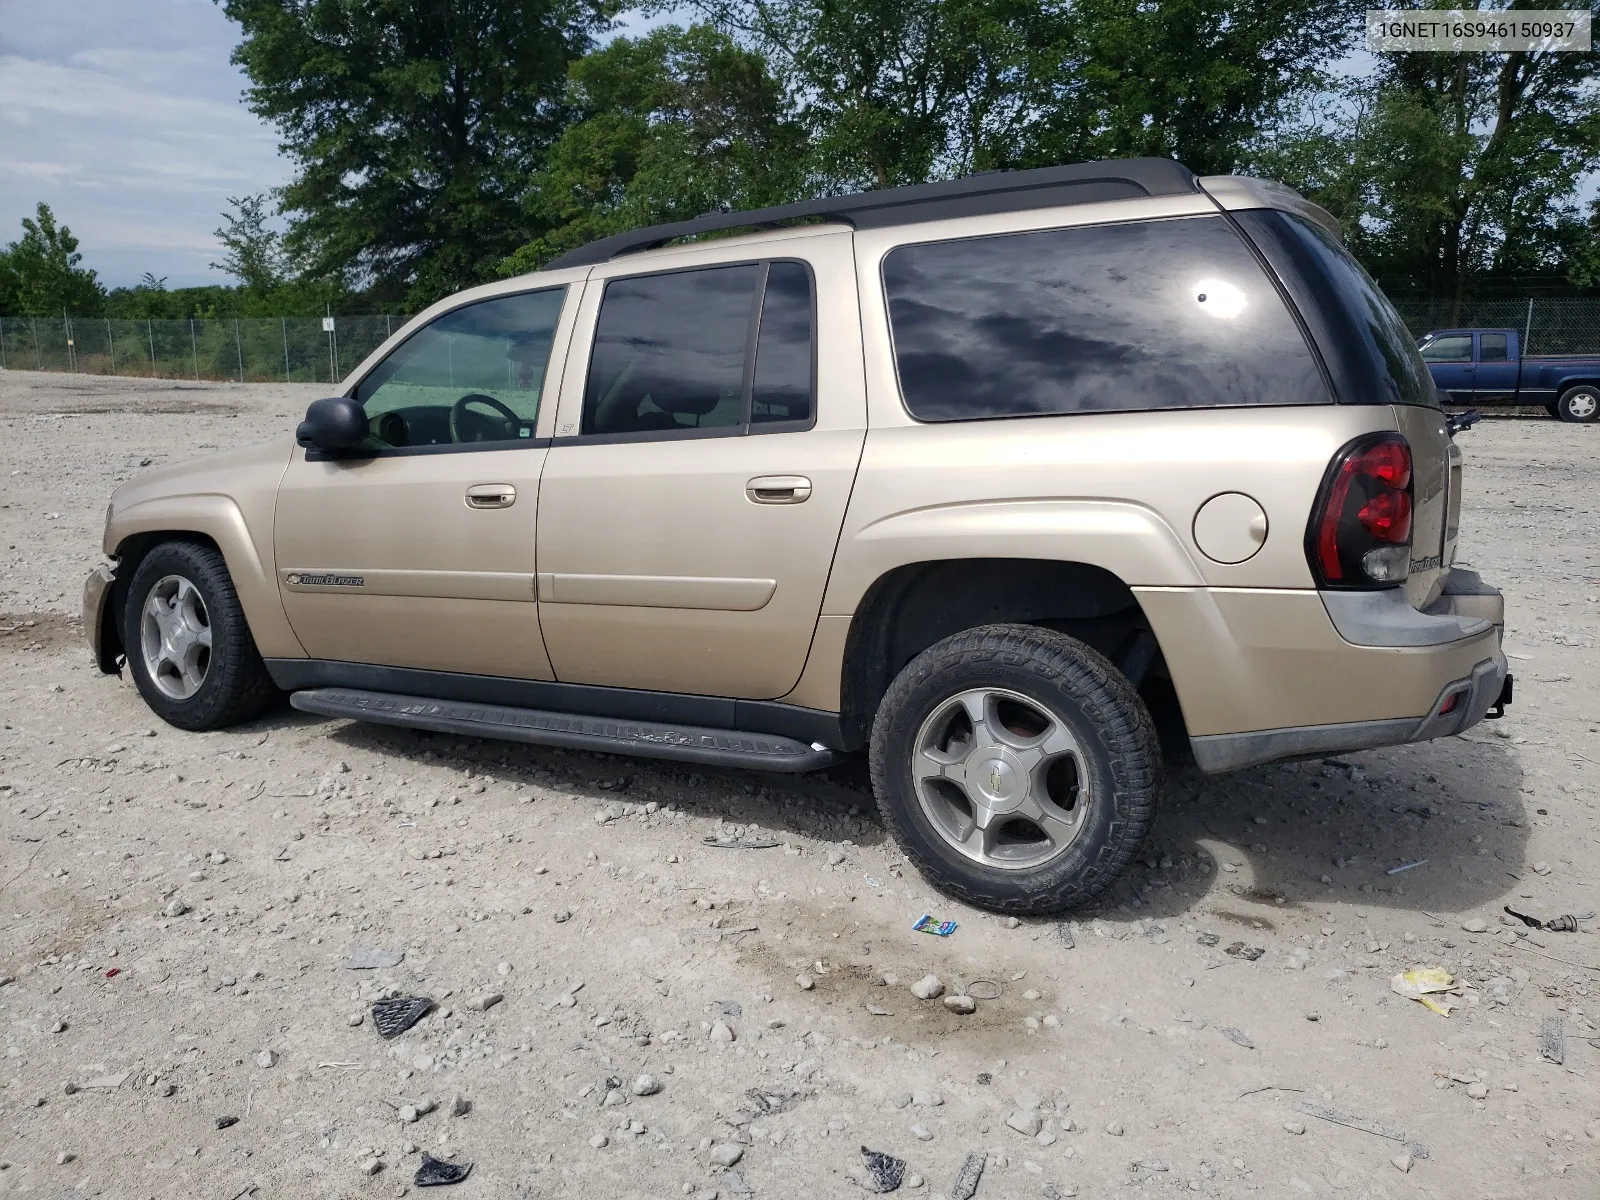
<point>1485,366</point>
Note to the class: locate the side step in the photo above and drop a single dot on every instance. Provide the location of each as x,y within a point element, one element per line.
<point>647,739</point>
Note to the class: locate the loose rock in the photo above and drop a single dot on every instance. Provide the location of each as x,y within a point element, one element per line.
<point>1026,1122</point>
<point>927,988</point>
<point>725,1154</point>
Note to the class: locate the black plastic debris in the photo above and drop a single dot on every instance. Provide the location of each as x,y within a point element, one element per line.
<point>744,843</point>
<point>393,1017</point>
<point>434,1173</point>
<point>224,1122</point>
<point>1565,923</point>
<point>884,1171</point>
<point>1240,950</point>
<point>966,1185</point>
<point>984,1077</point>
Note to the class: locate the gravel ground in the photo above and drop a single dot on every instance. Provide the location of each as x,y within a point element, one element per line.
<point>178,912</point>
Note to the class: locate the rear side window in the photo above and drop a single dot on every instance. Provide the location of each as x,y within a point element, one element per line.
<point>725,350</point>
<point>1492,347</point>
<point>1106,318</point>
<point>1368,351</point>
<point>1454,349</point>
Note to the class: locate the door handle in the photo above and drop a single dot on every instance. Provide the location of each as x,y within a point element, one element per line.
<point>778,489</point>
<point>491,495</point>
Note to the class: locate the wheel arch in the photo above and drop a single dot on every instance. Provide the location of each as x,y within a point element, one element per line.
<point>910,607</point>
<point>218,523</point>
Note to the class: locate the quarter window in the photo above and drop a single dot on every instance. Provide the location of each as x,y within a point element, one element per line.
<point>718,349</point>
<point>1110,318</point>
<point>473,375</point>
<point>1448,350</point>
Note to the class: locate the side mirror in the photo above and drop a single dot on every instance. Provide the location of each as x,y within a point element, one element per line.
<point>336,423</point>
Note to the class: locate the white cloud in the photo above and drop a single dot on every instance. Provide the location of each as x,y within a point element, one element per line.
<point>127,120</point>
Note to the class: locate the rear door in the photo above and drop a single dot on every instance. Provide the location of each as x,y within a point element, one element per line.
<point>1449,358</point>
<point>1495,379</point>
<point>710,427</point>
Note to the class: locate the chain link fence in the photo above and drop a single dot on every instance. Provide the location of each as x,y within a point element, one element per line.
<point>1555,325</point>
<point>244,350</point>
<point>303,350</point>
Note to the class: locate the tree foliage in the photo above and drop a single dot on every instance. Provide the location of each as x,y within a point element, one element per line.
<point>1446,168</point>
<point>667,126</point>
<point>41,273</point>
<point>1194,80</point>
<point>414,126</point>
<point>254,251</point>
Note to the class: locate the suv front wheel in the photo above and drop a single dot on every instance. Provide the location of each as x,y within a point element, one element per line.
<point>1016,767</point>
<point>187,643</point>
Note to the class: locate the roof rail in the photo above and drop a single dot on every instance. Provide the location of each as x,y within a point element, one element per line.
<point>972,195</point>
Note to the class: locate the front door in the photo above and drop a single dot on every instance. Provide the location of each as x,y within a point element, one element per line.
<point>418,551</point>
<point>1449,358</point>
<point>710,429</point>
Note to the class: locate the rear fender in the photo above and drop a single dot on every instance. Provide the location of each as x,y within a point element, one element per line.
<point>1130,541</point>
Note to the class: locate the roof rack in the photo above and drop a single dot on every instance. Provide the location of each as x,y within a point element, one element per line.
<point>972,195</point>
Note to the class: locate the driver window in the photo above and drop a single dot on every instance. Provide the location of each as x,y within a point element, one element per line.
<point>474,374</point>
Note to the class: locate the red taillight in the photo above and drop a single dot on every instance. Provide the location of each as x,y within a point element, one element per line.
<point>1387,516</point>
<point>1360,532</point>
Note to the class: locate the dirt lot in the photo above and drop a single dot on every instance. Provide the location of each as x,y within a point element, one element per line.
<point>178,911</point>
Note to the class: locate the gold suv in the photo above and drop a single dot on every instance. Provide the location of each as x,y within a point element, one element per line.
<point>971,476</point>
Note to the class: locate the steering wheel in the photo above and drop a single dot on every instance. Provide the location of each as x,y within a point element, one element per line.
<point>458,410</point>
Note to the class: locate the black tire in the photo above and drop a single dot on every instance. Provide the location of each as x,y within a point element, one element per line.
<point>1084,692</point>
<point>1579,405</point>
<point>235,686</point>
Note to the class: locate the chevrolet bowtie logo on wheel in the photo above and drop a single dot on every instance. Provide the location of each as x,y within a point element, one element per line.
<point>321,579</point>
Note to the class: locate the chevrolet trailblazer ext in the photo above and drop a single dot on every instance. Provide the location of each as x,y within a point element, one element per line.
<point>959,475</point>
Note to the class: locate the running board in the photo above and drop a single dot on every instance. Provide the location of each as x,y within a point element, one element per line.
<point>647,739</point>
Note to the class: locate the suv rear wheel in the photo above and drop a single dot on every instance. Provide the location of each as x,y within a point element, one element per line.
<point>188,646</point>
<point>1016,767</point>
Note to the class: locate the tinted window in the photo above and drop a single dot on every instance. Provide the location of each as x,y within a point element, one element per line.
<point>1368,350</point>
<point>475,374</point>
<point>669,352</point>
<point>1448,350</point>
<point>1157,314</point>
<point>782,386</point>
<point>1492,347</point>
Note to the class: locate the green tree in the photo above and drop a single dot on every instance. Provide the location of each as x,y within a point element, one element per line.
<point>254,251</point>
<point>1194,80</point>
<point>669,126</point>
<point>1447,168</point>
<point>9,302</point>
<point>414,126</point>
<point>896,91</point>
<point>45,272</point>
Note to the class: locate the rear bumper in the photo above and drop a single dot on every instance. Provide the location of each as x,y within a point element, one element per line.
<point>99,624</point>
<point>1461,705</point>
<point>1264,675</point>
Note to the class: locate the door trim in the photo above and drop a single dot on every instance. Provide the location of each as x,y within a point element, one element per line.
<point>657,591</point>
<point>440,585</point>
<point>811,725</point>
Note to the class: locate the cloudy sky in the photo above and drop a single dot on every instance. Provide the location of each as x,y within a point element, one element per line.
<point>125,117</point>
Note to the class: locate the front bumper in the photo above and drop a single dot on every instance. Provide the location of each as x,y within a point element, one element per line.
<point>99,618</point>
